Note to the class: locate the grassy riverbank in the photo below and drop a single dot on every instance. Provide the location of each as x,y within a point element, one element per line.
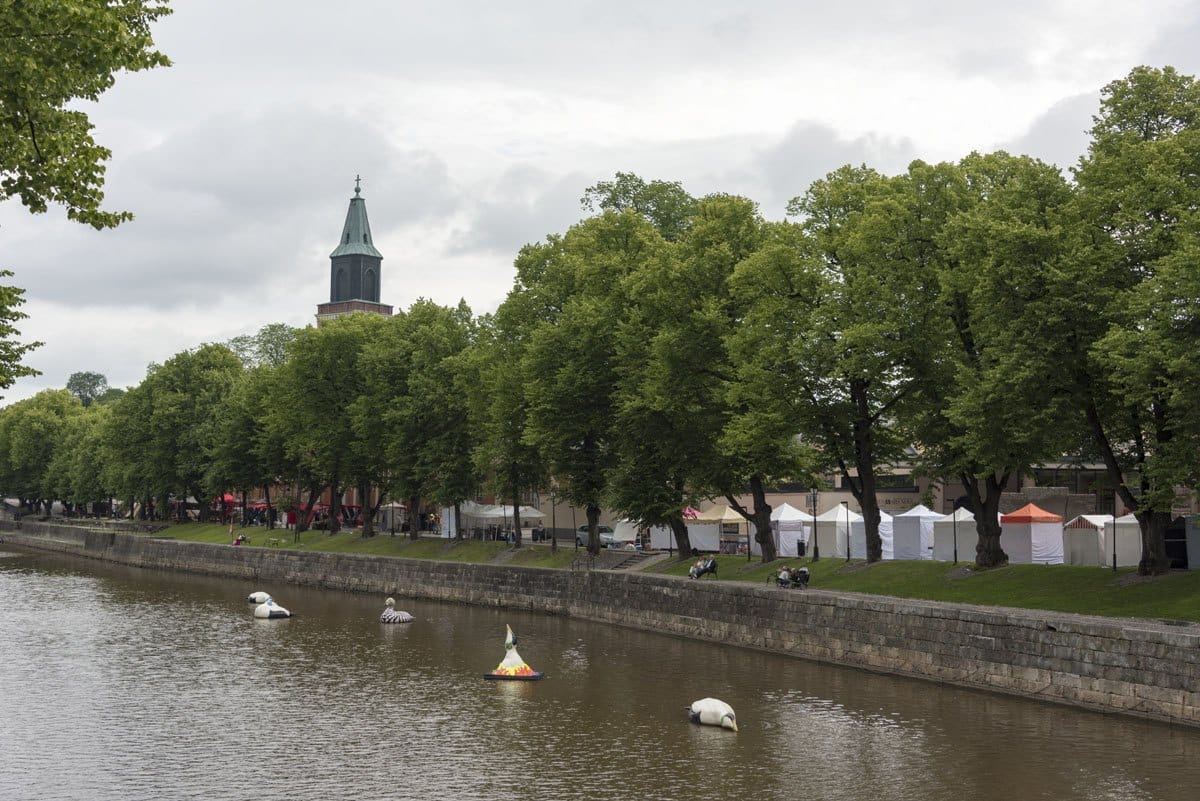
<point>351,541</point>
<point>1063,588</point>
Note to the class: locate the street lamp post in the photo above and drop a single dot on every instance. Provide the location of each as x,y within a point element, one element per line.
<point>1114,539</point>
<point>954,523</point>
<point>846,506</point>
<point>812,500</point>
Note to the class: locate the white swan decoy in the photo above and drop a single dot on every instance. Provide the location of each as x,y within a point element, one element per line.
<point>259,597</point>
<point>270,609</point>
<point>713,712</point>
<point>392,615</point>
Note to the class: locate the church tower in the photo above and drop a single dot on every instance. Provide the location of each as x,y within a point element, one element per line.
<point>354,267</point>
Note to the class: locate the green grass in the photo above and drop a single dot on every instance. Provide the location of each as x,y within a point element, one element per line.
<point>382,544</point>
<point>1063,588</point>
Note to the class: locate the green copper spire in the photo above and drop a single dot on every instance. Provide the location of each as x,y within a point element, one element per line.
<point>356,233</point>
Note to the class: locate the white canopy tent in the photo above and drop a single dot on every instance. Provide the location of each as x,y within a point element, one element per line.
<point>1128,533</point>
<point>723,516</point>
<point>1031,535</point>
<point>625,531</point>
<point>959,527</point>
<point>1085,538</point>
<point>912,533</point>
<point>475,515</point>
<point>858,536</point>
<point>832,530</point>
<point>790,527</point>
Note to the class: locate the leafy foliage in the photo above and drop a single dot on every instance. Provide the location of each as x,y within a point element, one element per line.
<point>54,52</point>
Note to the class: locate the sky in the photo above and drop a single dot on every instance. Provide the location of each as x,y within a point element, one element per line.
<point>476,128</point>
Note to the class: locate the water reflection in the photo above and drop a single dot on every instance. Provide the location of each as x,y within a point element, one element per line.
<point>120,683</point>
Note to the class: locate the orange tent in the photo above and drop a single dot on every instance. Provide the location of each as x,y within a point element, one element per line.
<point>1030,514</point>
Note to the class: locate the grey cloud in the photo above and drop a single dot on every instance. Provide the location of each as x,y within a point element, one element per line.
<point>811,150</point>
<point>238,203</point>
<point>524,205</point>
<point>1060,135</point>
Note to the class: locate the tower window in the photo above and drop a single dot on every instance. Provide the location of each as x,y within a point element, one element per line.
<point>364,237</point>
<point>347,238</point>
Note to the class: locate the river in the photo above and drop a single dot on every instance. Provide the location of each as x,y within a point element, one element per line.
<point>122,683</point>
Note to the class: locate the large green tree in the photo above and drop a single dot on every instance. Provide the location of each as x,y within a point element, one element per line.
<point>30,430</point>
<point>860,289</point>
<point>997,400</point>
<point>87,386</point>
<point>1139,196</point>
<point>52,54</point>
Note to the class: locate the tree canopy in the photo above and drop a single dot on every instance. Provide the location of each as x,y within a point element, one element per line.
<point>53,53</point>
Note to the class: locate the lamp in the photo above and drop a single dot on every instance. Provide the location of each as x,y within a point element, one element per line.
<point>812,500</point>
<point>954,524</point>
<point>846,506</point>
<point>1114,538</point>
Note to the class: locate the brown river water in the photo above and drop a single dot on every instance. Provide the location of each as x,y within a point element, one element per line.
<point>120,683</point>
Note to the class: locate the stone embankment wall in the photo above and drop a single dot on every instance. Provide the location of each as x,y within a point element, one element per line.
<point>1141,668</point>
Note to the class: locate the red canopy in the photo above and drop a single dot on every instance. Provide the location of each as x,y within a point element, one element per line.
<point>1030,514</point>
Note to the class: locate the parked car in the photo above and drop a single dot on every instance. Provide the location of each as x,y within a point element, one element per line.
<point>607,539</point>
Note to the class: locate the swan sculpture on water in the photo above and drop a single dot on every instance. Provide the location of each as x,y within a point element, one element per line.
<point>513,667</point>
<point>270,610</point>
<point>259,597</point>
<point>713,712</point>
<point>393,615</point>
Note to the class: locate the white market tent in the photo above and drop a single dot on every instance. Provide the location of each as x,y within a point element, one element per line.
<point>722,516</point>
<point>1031,535</point>
<point>790,527</point>
<point>1088,540</point>
<point>960,526</point>
<point>832,530</point>
<point>1128,533</point>
<point>858,536</point>
<point>1083,539</point>
<point>625,531</point>
<point>480,514</point>
<point>912,533</point>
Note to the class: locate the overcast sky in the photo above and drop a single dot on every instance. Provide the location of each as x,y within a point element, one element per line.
<point>477,126</point>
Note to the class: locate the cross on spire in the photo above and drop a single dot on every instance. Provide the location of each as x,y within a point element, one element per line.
<point>357,178</point>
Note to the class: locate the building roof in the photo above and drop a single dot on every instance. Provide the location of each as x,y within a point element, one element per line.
<point>356,233</point>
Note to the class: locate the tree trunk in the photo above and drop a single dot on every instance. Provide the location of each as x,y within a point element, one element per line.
<point>414,517</point>
<point>988,552</point>
<point>1154,561</point>
<point>680,530</point>
<point>303,515</point>
<point>760,517</point>
<point>334,524</point>
<point>516,502</point>
<point>458,531</point>
<point>270,509</point>
<point>864,462</point>
<point>593,519</point>
<point>368,514</point>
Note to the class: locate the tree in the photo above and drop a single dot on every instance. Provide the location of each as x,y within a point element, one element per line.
<point>568,365</point>
<point>857,333</point>
<point>30,430</point>
<point>664,204</point>
<point>11,351</point>
<point>1139,197</point>
<point>997,400</point>
<point>88,387</point>
<point>269,346</point>
<point>311,408</point>
<point>51,55</point>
